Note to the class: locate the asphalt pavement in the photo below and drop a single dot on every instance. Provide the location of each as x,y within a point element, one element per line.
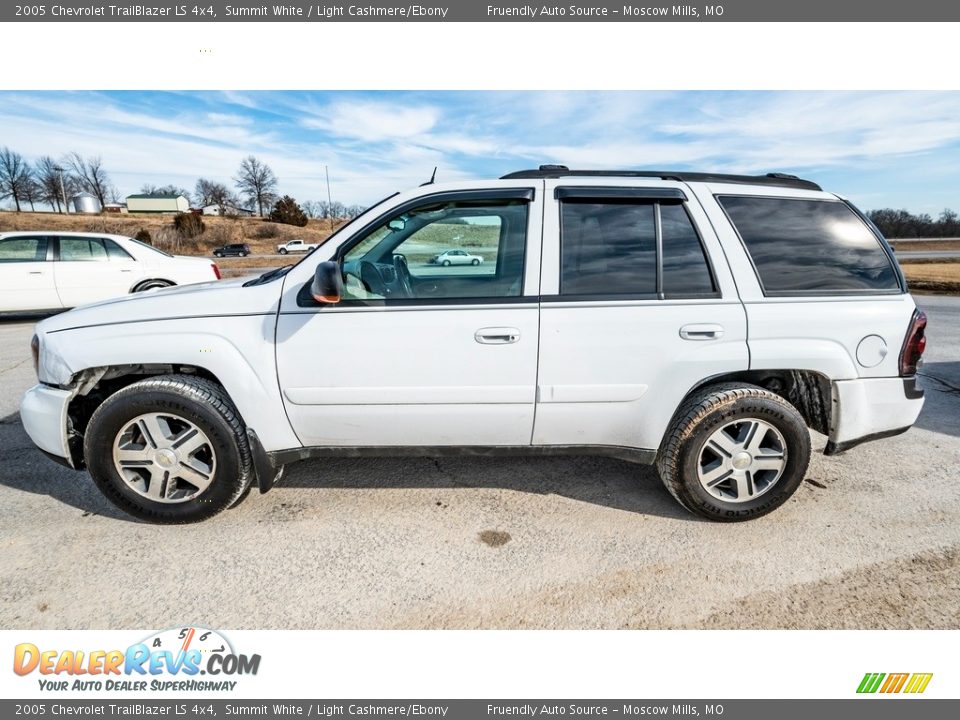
<point>871,540</point>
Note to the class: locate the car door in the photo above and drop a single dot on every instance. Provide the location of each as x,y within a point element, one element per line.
<point>26,274</point>
<point>638,307</point>
<point>415,354</point>
<point>90,268</point>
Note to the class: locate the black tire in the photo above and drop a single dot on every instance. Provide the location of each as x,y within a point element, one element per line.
<point>475,262</point>
<point>243,254</point>
<point>202,402</point>
<point>218,254</point>
<point>446,263</point>
<point>709,410</point>
<point>151,284</point>
<point>283,251</point>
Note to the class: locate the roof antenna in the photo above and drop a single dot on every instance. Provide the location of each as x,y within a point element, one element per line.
<point>432,177</point>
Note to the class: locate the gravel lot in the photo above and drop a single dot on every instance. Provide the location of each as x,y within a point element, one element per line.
<point>872,539</point>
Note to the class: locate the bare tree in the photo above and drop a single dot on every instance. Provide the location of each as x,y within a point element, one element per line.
<point>15,176</point>
<point>256,181</point>
<point>48,175</point>
<point>949,223</point>
<point>90,175</point>
<point>31,191</point>
<point>312,208</point>
<point>211,192</point>
<point>337,210</point>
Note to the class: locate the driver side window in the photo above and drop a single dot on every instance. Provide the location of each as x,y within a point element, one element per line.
<point>449,250</point>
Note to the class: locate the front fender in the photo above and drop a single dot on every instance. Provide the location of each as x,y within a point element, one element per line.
<point>237,350</point>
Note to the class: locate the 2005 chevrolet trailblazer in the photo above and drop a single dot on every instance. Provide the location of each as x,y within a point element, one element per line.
<point>699,322</point>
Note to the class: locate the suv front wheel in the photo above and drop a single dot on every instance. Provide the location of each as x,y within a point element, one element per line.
<point>734,452</point>
<point>169,449</point>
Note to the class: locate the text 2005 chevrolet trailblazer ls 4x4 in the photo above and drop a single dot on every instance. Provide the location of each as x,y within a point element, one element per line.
<point>699,322</point>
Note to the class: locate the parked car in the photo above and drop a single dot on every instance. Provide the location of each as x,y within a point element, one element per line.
<point>702,323</point>
<point>238,249</point>
<point>47,270</point>
<point>295,246</point>
<point>456,257</point>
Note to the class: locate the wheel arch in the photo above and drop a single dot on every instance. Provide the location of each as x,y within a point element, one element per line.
<point>809,391</point>
<point>137,285</point>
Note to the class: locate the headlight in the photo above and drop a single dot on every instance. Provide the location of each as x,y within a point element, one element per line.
<point>35,349</point>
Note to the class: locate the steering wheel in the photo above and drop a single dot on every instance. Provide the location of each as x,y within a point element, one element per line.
<point>372,278</point>
<point>403,275</point>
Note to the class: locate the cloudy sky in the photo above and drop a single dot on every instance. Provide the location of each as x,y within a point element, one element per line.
<point>879,149</point>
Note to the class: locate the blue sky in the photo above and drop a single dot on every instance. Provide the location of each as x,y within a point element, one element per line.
<point>899,149</point>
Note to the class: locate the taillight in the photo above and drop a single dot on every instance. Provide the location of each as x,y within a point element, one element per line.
<point>216,270</point>
<point>913,344</point>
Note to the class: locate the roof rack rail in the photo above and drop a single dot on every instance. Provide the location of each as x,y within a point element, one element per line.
<point>774,179</point>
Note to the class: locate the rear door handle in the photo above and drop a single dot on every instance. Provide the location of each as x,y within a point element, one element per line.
<point>704,331</point>
<point>497,335</point>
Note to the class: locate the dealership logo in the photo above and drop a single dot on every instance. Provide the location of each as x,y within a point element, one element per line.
<point>913,683</point>
<point>173,659</point>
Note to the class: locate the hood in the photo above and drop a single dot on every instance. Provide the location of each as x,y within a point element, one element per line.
<point>210,299</point>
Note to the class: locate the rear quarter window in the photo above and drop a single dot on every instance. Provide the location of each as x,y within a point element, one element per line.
<point>810,247</point>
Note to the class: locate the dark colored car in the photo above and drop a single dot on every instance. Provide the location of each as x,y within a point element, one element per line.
<point>241,249</point>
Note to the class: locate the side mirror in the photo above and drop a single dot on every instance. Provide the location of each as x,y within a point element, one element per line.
<point>327,285</point>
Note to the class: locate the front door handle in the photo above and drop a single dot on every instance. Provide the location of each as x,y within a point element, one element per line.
<point>497,335</point>
<point>704,331</point>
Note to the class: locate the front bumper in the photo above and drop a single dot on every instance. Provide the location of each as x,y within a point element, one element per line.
<point>871,409</point>
<point>43,412</point>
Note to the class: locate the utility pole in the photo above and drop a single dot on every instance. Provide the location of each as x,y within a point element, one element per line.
<point>326,170</point>
<point>63,192</point>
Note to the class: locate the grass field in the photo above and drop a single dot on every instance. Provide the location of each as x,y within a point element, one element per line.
<point>926,245</point>
<point>261,235</point>
<point>938,277</point>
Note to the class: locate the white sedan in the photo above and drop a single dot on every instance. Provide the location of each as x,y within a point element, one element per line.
<point>455,257</point>
<point>47,270</point>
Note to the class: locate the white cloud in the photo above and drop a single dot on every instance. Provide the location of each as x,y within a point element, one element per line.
<point>374,121</point>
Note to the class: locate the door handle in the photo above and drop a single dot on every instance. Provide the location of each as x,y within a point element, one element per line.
<point>36,272</point>
<point>497,335</point>
<point>705,331</point>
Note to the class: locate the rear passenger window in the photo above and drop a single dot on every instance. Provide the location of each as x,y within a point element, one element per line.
<point>82,249</point>
<point>812,247</point>
<point>115,252</point>
<point>609,247</point>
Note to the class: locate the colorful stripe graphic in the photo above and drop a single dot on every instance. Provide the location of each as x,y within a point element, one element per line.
<point>894,682</point>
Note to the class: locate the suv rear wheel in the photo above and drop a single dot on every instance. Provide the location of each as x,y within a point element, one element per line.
<point>734,452</point>
<point>169,449</point>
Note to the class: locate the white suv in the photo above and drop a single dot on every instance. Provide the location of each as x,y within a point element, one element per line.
<point>699,322</point>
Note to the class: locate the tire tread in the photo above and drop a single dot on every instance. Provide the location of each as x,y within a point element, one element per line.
<point>685,421</point>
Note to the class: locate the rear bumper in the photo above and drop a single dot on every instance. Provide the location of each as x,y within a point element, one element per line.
<point>871,409</point>
<point>43,412</point>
